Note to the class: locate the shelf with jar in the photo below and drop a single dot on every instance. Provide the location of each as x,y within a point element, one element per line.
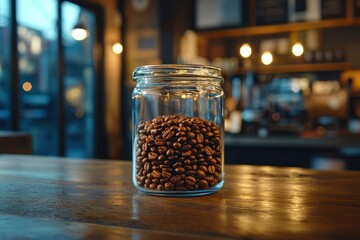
<point>267,17</point>
<point>279,28</point>
<point>297,68</point>
<point>301,22</point>
<point>295,59</point>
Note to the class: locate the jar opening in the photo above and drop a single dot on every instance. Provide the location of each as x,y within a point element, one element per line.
<point>177,71</point>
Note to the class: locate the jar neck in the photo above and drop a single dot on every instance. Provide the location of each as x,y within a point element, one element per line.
<point>177,73</point>
<point>189,81</point>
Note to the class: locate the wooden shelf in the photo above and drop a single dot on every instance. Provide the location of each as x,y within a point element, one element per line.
<point>303,67</point>
<point>281,28</point>
<point>354,93</point>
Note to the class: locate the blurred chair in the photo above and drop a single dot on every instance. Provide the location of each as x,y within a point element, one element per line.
<point>15,142</point>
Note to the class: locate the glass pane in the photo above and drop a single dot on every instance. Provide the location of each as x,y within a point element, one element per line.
<point>79,82</point>
<point>37,50</point>
<point>4,64</point>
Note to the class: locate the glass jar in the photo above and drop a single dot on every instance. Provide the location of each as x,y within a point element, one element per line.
<point>178,129</point>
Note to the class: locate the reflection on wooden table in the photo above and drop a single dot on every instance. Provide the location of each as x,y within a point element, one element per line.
<point>48,197</point>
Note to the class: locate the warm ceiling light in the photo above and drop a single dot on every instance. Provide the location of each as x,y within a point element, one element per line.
<point>79,32</point>
<point>266,58</point>
<point>27,86</point>
<point>297,49</point>
<point>245,50</point>
<point>117,48</point>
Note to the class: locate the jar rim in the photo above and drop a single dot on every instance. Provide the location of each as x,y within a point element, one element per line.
<point>177,70</point>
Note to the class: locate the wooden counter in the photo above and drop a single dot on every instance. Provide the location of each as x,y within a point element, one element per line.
<point>55,198</point>
<point>292,151</point>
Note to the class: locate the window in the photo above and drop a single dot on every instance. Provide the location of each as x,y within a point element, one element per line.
<point>57,79</point>
<point>38,68</point>
<point>79,82</point>
<point>5,65</point>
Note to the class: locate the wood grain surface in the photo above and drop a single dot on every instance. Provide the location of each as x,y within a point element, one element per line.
<point>57,198</point>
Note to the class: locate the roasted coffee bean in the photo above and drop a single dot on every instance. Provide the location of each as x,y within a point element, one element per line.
<point>180,134</point>
<point>165,125</point>
<point>162,158</point>
<point>160,142</point>
<point>148,181</point>
<point>175,178</point>
<point>189,180</point>
<point>202,183</point>
<point>190,135</point>
<point>211,169</point>
<point>144,147</point>
<point>209,178</point>
<point>182,129</point>
<point>187,153</point>
<point>187,162</point>
<point>152,186</point>
<point>152,155</point>
<point>199,146</point>
<point>194,151</point>
<point>177,164</point>
<point>162,149</point>
<point>150,139</point>
<point>182,139</point>
<point>167,134</point>
<point>170,152</point>
<point>177,145</point>
<point>166,175</point>
<point>186,147</point>
<point>175,157</point>
<point>147,167</point>
<point>141,125</point>
<point>156,174</point>
<point>188,168</point>
<point>200,174</point>
<point>193,141</point>
<point>203,168</point>
<point>158,119</point>
<point>160,187</point>
<point>208,151</point>
<point>190,173</point>
<point>169,186</point>
<point>199,138</point>
<point>172,122</point>
<point>178,153</point>
<point>174,128</point>
<point>180,170</point>
<point>154,131</point>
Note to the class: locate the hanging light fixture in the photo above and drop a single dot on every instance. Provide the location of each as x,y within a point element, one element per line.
<point>79,32</point>
<point>117,48</point>
<point>245,50</point>
<point>297,49</point>
<point>266,58</point>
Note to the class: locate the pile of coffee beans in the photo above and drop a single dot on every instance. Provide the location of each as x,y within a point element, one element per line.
<point>178,153</point>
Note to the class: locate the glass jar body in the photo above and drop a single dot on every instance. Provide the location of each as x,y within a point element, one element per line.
<point>178,130</point>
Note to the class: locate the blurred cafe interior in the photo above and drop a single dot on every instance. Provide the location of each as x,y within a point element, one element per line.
<point>291,70</point>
